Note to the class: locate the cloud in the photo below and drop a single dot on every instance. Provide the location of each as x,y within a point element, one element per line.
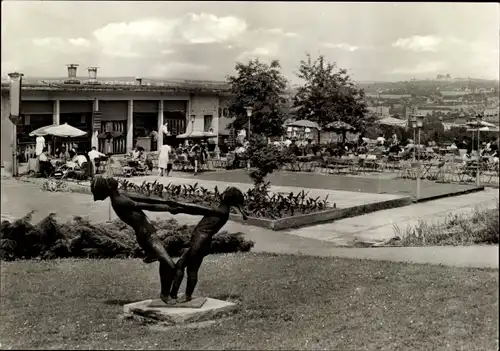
<point>419,43</point>
<point>341,46</point>
<point>422,68</point>
<point>80,42</point>
<point>208,28</point>
<point>266,51</point>
<point>278,31</point>
<point>127,39</point>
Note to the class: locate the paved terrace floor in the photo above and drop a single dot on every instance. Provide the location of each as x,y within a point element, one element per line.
<point>373,184</point>
<point>18,198</point>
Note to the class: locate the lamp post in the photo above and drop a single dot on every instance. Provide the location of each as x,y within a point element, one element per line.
<point>420,123</point>
<point>193,118</point>
<point>479,119</point>
<point>15,113</point>
<point>414,126</point>
<point>249,110</point>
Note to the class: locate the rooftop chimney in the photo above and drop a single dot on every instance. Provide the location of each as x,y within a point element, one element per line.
<point>92,74</point>
<point>72,74</point>
<point>138,81</point>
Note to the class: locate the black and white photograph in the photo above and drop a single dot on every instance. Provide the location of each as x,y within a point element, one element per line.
<point>231,175</point>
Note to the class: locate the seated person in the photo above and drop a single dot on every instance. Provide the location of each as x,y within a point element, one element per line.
<point>79,160</point>
<point>46,167</point>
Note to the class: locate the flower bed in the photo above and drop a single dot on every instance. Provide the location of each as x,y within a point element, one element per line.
<point>259,202</point>
<point>48,239</point>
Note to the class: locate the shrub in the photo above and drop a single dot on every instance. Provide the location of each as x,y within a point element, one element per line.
<point>480,227</point>
<point>48,239</point>
<point>265,159</point>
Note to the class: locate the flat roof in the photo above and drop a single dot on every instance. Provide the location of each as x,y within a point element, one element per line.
<point>120,84</point>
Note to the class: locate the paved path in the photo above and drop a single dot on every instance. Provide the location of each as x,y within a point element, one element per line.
<point>18,198</point>
<point>380,225</point>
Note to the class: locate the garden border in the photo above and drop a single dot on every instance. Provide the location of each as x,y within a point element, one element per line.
<point>332,214</point>
<point>301,220</point>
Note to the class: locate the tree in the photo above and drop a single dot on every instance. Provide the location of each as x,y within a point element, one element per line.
<point>260,86</point>
<point>329,95</point>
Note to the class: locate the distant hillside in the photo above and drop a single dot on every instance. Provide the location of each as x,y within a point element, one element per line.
<point>426,87</point>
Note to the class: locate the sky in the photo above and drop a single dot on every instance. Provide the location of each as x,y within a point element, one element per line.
<point>204,40</point>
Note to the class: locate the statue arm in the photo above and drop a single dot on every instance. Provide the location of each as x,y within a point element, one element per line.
<point>162,205</point>
<point>198,210</point>
<point>157,207</point>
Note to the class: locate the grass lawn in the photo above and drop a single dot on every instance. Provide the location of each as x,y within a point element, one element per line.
<point>478,227</point>
<point>287,302</point>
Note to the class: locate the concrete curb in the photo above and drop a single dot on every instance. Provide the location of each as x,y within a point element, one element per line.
<point>457,193</point>
<point>330,215</point>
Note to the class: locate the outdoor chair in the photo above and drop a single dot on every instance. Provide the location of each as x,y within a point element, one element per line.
<point>491,173</point>
<point>46,168</point>
<point>405,170</point>
<point>371,163</point>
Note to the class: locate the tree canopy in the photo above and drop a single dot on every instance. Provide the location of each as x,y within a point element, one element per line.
<point>328,95</point>
<point>260,86</point>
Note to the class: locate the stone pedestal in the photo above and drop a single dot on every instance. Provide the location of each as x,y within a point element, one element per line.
<point>200,309</point>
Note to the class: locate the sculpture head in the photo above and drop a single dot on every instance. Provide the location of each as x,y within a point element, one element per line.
<point>235,198</point>
<point>103,187</point>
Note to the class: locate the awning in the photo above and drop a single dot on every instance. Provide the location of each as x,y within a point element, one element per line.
<point>391,121</point>
<point>303,123</point>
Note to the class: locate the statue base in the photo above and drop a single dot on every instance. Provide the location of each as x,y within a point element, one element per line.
<point>199,309</point>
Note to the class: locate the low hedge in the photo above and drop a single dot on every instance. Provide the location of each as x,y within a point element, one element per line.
<point>78,238</point>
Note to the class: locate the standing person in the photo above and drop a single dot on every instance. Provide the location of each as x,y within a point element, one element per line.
<point>164,162</point>
<point>93,154</point>
<point>195,154</point>
<point>40,145</point>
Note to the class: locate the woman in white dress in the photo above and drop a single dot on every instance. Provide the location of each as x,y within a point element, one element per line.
<point>164,163</point>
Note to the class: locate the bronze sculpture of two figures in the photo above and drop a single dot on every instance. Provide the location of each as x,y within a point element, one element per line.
<point>130,209</point>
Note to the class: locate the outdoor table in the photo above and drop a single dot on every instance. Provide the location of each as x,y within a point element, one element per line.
<point>428,169</point>
<point>33,164</point>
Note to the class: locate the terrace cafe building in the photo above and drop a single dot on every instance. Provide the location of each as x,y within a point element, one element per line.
<point>132,109</point>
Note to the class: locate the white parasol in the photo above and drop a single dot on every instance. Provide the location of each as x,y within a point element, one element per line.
<point>63,130</point>
<point>196,135</point>
<point>41,131</point>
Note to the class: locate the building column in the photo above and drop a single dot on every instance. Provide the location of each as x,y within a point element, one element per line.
<point>56,113</point>
<point>215,122</point>
<point>189,112</point>
<point>130,126</point>
<point>94,140</point>
<point>160,124</point>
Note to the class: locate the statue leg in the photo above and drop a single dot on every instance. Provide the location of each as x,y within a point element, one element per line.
<point>192,276</point>
<point>159,251</point>
<point>179,273</point>
<point>166,279</point>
